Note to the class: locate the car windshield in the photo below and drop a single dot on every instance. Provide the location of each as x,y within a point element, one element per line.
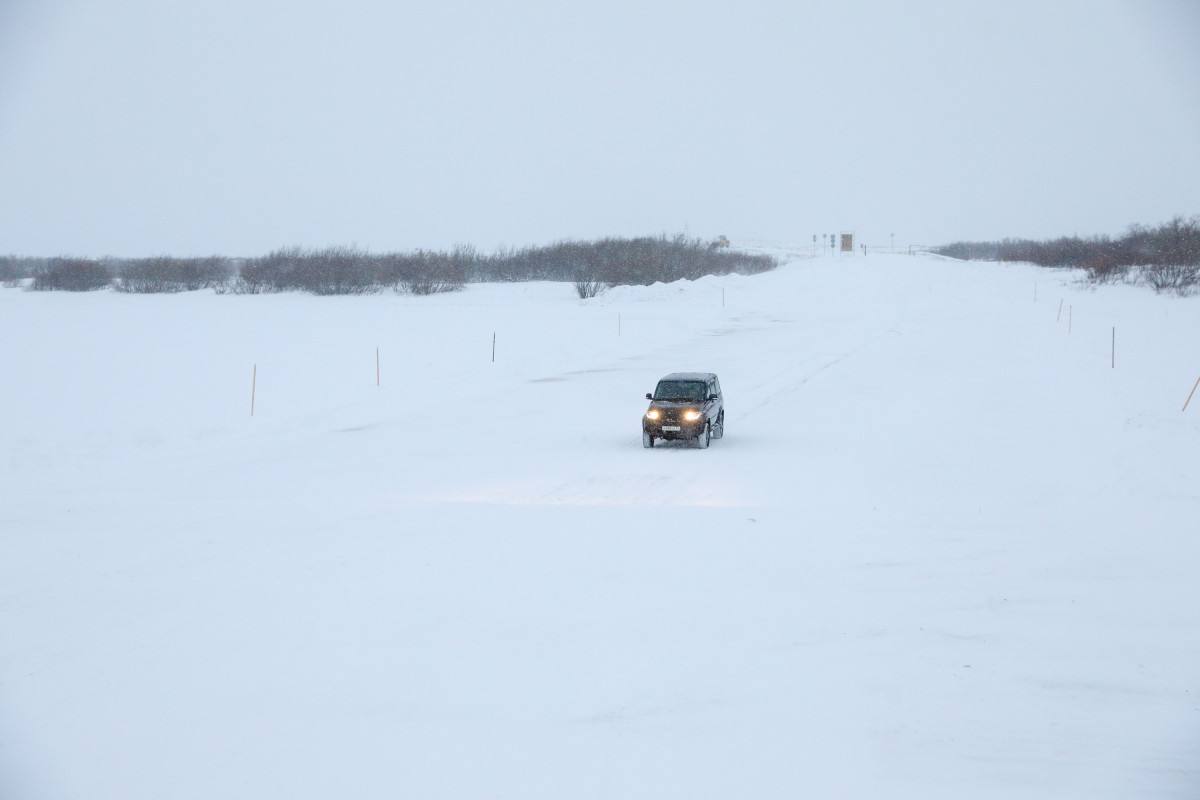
<point>687,391</point>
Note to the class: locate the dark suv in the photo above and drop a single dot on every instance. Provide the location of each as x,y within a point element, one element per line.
<point>685,405</point>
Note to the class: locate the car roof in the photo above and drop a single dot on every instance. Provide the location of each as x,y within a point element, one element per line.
<point>689,376</point>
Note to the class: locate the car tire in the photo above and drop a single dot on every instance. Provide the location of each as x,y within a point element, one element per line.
<point>719,433</point>
<point>705,438</point>
<point>647,440</point>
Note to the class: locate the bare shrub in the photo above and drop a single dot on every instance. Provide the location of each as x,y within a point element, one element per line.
<point>333,270</point>
<point>269,273</point>
<point>166,274</point>
<point>606,262</point>
<point>425,272</point>
<point>14,269</point>
<point>1166,257</point>
<point>587,288</point>
<point>72,275</point>
<point>1105,266</point>
<point>240,285</point>
<point>338,270</point>
<point>591,266</point>
<point>1182,279</point>
<point>616,262</point>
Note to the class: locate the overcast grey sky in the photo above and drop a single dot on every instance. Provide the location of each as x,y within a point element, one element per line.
<point>235,126</point>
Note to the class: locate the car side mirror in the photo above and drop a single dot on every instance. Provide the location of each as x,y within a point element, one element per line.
<point>649,396</point>
<point>712,397</point>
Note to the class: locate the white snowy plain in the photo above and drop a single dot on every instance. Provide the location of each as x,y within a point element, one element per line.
<point>944,551</point>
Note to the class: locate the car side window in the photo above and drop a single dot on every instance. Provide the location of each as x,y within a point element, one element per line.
<point>716,387</point>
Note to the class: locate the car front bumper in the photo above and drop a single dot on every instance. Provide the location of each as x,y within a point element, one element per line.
<point>687,430</point>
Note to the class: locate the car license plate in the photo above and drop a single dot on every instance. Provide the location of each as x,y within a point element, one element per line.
<point>671,428</point>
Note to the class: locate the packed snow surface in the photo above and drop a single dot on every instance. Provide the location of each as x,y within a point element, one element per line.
<point>945,549</point>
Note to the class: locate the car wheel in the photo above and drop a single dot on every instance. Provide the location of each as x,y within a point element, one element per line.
<point>647,440</point>
<point>720,431</point>
<point>706,437</point>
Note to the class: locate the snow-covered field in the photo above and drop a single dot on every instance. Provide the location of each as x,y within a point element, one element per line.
<point>944,551</point>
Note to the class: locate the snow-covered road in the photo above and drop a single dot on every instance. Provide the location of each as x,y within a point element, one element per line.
<point>945,550</point>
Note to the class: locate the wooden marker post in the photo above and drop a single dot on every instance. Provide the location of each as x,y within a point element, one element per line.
<point>493,347</point>
<point>253,385</point>
<point>377,366</point>
<point>1194,387</point>
<point>1059,317</point>
<point>1070,317</point>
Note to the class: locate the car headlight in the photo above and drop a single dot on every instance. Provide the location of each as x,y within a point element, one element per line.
<point>691,415</point>
<point>653,414</point>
